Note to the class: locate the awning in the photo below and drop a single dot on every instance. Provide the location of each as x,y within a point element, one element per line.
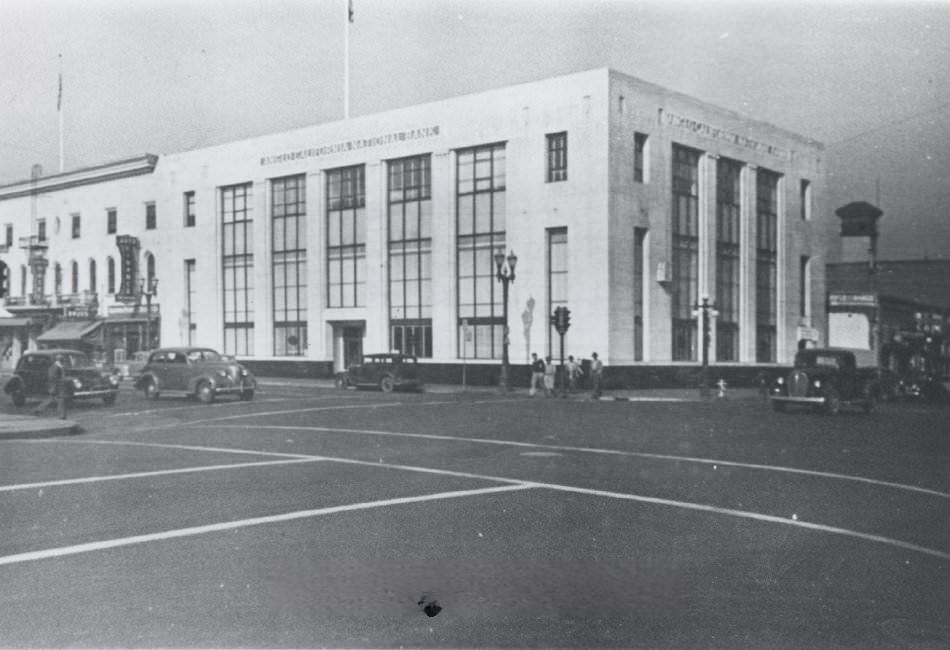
<point>12,321</point>
<point>73,330</point>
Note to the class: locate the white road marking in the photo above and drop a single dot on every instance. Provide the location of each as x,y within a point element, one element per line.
<point>519,483</point>
<point>598,450</point>
<point>244,523</point>
<point>163,472</point>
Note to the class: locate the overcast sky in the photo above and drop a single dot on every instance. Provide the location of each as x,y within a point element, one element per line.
<point>869,79</point>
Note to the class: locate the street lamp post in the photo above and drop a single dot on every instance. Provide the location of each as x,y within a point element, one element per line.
<point>505,272</point>
<point>704,311</point>
<point>148,289</point>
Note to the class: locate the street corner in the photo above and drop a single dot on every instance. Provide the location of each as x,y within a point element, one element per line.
<point>18,427</point>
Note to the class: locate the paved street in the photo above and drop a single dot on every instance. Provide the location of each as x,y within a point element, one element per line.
<point>313,517</point>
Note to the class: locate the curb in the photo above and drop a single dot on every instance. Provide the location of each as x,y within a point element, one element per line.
<point>13,427</point>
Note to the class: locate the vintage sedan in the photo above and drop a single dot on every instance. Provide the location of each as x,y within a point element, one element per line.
<point>826,379</point>
<point>83,379</point>
<point>196,372</point>
<point>388,372</point>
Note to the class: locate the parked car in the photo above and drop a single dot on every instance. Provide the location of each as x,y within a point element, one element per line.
<point>929,388</point>
<point>194,372</point>
<point>82,378</point>
<point>826,378</point>
<point>387,372</point>
<point>132,367</point>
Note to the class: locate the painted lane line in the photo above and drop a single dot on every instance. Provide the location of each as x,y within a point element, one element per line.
<point>608,452</point>
<point>160,445</point>
<point>316,409</point>
<point>163,472</point>
<point>244,523</point>
<point>688,505</point>
<point>744,514</point>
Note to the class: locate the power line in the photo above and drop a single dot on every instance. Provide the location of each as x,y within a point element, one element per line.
<point>888,125</point>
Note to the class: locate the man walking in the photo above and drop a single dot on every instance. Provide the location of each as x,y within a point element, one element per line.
<point>537,374</point>
<point>596,370</point>
<point>55,389</point>
<point>573,372</point>
<point>550,373</point>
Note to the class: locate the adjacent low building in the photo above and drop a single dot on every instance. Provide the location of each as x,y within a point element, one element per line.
<point>623,201</point>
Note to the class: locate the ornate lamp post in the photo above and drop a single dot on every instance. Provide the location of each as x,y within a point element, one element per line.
<point>505,272</point>
<point>148,289</point>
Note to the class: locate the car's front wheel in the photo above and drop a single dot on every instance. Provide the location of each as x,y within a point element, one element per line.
<point>19,399</point>
<point>341,381</point>
<point>205,393</point>
<point>247,394</point>
<point>150,390</point>
<point>386,384</point>
<point>832,401</point>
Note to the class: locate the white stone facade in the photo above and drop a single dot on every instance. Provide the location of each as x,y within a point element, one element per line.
<point>620,278</point>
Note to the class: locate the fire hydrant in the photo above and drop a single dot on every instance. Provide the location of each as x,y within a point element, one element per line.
<point>721,385</point>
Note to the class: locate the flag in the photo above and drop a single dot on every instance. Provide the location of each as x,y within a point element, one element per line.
<point>59,95</point>
<point>349,10</point>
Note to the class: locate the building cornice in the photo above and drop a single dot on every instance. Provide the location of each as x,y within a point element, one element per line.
<point>85,176</point>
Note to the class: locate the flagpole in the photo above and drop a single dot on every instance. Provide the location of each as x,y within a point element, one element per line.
<point>59,110</point>
<point>347,18</point>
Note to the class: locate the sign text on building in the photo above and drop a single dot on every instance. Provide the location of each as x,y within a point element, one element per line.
<point>716,133</point>
<point>352,145</point>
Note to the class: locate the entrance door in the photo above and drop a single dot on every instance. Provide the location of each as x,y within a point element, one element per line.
<point>352,345</point>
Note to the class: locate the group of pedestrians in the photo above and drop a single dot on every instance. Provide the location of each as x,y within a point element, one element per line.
<point>544,372</point>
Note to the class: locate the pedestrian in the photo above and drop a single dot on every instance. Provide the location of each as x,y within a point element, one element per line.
<point>550,373</point>
<point>573,373</point>
<point>537,374</point>
<point>55,388</point>
<point>596,370</point>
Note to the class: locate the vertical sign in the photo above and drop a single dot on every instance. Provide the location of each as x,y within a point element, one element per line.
<point>129,265</point>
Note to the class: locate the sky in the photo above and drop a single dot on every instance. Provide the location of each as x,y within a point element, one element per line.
<point>869,79</point>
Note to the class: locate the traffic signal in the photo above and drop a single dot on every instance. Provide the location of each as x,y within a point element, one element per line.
<point>4,279</point>
<point>561,319</point>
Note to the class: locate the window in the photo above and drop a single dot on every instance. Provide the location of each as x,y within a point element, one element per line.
<point>149,272</point>
<point>728,220</point>
<point>639,264</point>
<point>57,279</point>
<point>685,251</point>
<point>9,235</point>
<point>76,226</point>
<point>110,275</point>
<point>92,276</point>
<point>804,284</point>
<point>557,156</point>
<point>150,217</point>
<point>766,264</point>
<point>41,230</point>
<point>480,224</point>
<point>346,237</point>
<point>410,255</point>
<point>289,263</point>
<point>191,298</point>
<point>639,157</point>
<point>74,284</point>
<point>804,197</point>
<point>189,209</point>
<point>23,280</point>
<point>237,260</point>
<point>557,284</point>
<point>112,219</point>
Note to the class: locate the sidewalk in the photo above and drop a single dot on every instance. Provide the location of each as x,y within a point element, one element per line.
<point>32,426</point>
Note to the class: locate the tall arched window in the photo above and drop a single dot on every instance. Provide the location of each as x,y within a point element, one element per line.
<point>75,282</point>
<point>23,280</point>
<point>149,268</point>
<point>110,275</point>
<point>92,276</point>
<point>58,279</point>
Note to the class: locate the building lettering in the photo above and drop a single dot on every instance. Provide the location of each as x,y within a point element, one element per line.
<point>716,133</point>
<point>351,145</point>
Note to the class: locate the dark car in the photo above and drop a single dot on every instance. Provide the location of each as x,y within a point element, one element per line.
<point>928,388</point>
<point>82,378</point>
<point>195,372</point>
<point>826,378</point>
<point>387,372</point>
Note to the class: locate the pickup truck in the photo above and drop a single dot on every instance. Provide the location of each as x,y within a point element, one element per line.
<point>826,379</point>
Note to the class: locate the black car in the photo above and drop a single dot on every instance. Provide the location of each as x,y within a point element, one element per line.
<point>388,372</point>
<point>195,372</point>
<point>826,379</point>
<point>82,378</point>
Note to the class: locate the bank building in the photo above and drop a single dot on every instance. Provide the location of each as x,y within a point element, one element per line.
<point>625,202</point>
